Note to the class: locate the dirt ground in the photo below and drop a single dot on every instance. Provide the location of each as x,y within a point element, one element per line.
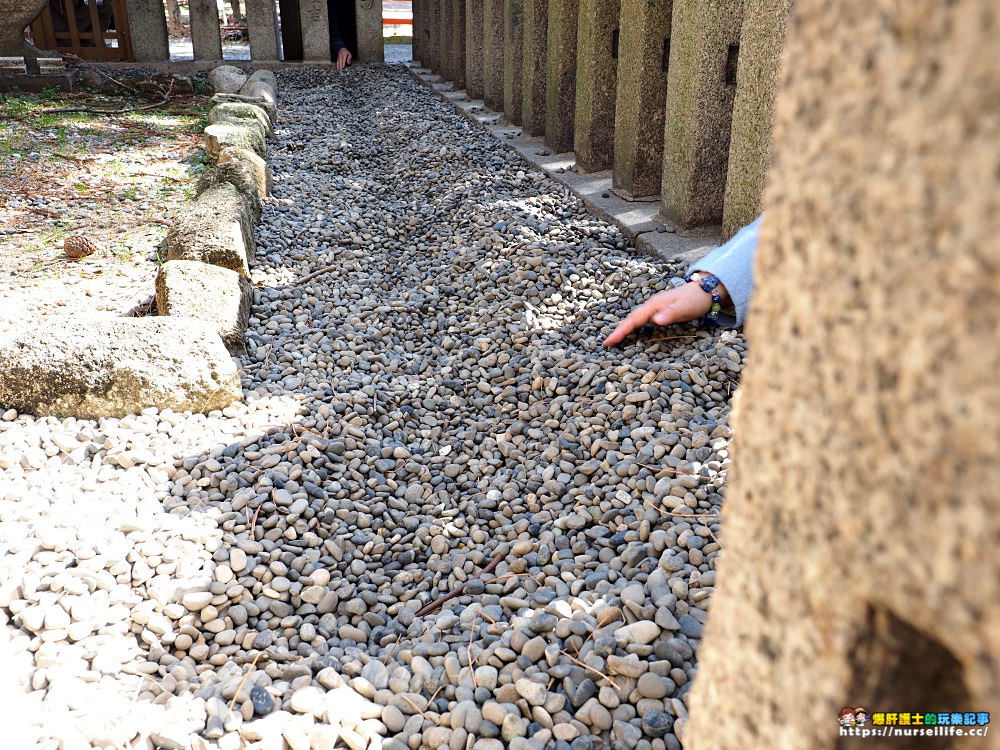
<point>69,168</point>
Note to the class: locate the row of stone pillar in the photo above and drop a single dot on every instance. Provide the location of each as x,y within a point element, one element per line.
<point>150,42</point>
<point>675,96</point>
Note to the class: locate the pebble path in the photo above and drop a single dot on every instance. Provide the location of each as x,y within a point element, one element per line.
<point>437,405</point>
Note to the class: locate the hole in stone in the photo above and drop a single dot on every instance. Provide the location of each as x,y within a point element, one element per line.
<point>896,667</point>
<point>666,54</point>
<point>732,61</point>
<point>614,44</point>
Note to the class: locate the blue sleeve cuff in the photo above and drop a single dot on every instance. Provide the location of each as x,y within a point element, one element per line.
<point>732,263</point>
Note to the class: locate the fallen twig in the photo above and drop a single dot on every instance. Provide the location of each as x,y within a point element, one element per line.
<point>595,671</point>
<point>243,682</point>
<point>440,601</point>
<point>314,274</point>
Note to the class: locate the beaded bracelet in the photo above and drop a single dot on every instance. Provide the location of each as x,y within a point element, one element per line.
<point>709,285</point>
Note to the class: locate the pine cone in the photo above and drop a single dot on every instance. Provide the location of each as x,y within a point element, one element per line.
<point>78,246</point>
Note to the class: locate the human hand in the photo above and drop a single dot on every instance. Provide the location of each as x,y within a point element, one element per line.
<point>343,58</point>
<point>675,305</point>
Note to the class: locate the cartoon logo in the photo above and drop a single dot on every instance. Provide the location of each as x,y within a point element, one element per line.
<point>860,717</point>
<point>846,717</point>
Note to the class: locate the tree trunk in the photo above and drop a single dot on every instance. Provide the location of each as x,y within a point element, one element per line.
<point>173,16</point>
<point>237,14</point>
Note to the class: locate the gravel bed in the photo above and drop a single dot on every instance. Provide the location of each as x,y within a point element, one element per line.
<point>436,412</point>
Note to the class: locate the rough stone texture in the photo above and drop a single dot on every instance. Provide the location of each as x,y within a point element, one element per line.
<point>265,76</point>
<point>458,43</point>
<point>15,16</point>
<point>111,367</point>
<point>226,79</point>
<point>368,24</point>
<point>433,21</point>
<point>269,107</point>
<point>513,58</point>
<point>147,23</point>
<point>447,42</point>
<point>861,563</point>
<point>642,96</point>
<point>242,133</point>
<point>701,88</point>
<point>262,27</point>
<point>260,87</point>
<point>417,43</point>
<point>213,295</point>
<point>596,84</point>
<point>315,24</point>
<point>206,37</point>
<point>263,178</point>
<point>241,175</point>
<point>761,42</point>
<point>216,228</point>
<point>536,31</point>
<point>493,53</point>
<point>560,90</point>
<point>474,49</point>
<point>240,111</point>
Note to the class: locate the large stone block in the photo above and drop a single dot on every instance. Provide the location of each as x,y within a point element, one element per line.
<point>15,15</point>
<point>240,175</point>
<point>206,36</point>
<point>240,111</point>
<point>447,22</point>
<point>433,21</point>
<point>642,94</point>
<point>513,58</point>
<point>596,83</point>
<point>269,107</point>
<point>226,79</point>
<point>536,31</point>
<point>368,25</point>
<point>216,228</point>
<point>241,133</point>
<point>761,42</point>
<point>217,296</point>
<point>560,91</point>
<point>147,23</point>
<point>474,48</point>
<point>704,55</point>
<point>263,179</point>
<point>861,525</point>
<point>112,367</point>
<point>493,51</point>
<point>418,8</point>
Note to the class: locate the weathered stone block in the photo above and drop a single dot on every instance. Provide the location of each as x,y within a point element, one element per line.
<point>704,54</point>
<point>493,51</point>
<point>262,28</point>
<point>513,58</point>
<point>240,111</point>
<point>226,79</point>
<point>447,43</point>
<point>217,296</point>
<point>474,84</point>
<point>458,43</point>
<point>861,566</point>
<point>239,174</point>
<point>269,106</point>
<point>15,15</point>
<point>596,83</point>
<point>112,367</point>
<point>315,25</point>
<point>642,95</point>
<point>216,228</point>
<point>536,31</point>
<point>560,90</point>
<point>258,167</point>
<point>761,42</point>
<point>368,24</point>
<point>242,133</point>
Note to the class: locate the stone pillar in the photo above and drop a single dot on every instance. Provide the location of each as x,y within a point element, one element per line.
<point>474,48</point>
<point>447,42</point>
<point>560,89</point>
<point>861,564</point>
<point>458,43</point>
<point>147,23</point>
<point>493,48</point>
<point>536,22</point>
<point>513,58</point>
<point>761,42</point>
<point>433,21</point>
<point>704,53</point>
<point>644,53</point>
<point>315,30</point>
<point>597,46</point>
<point>262,26</point>
<point>418,37</point>
<point>368,24</point>
<point>206,37</point>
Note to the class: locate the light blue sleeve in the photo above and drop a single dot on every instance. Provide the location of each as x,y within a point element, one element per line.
<point>732,263</point>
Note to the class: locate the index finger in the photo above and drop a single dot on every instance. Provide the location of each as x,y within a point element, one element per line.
<point>635,319</point>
